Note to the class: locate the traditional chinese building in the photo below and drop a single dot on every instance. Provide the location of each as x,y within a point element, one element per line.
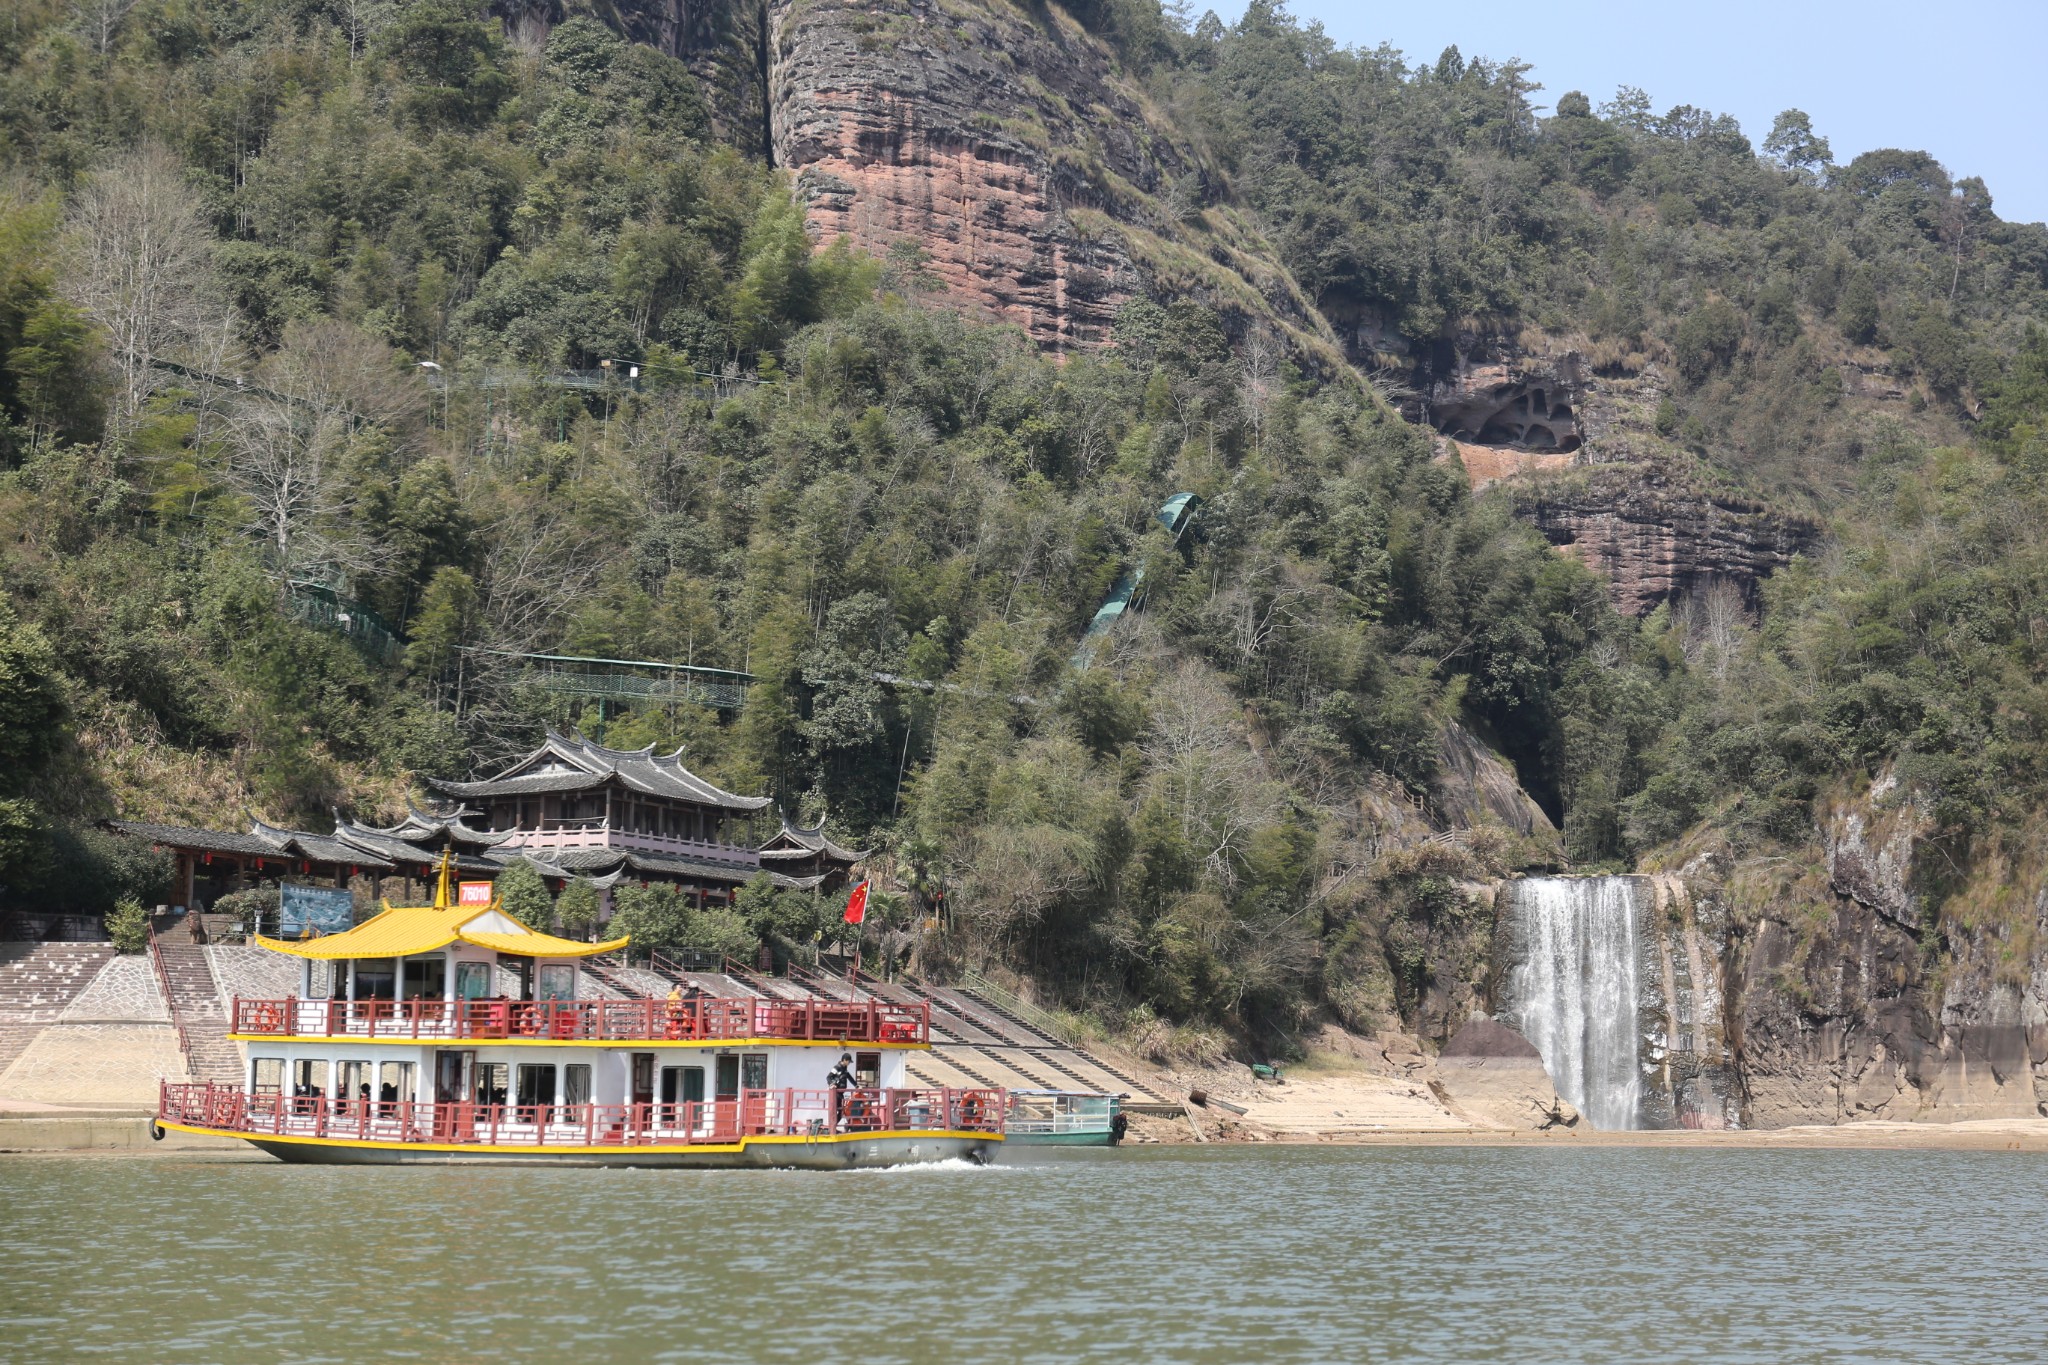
<point>809,858</point>
<point>572,808</point>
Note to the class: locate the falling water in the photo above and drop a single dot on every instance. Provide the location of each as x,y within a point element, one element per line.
<point>1574,992</point>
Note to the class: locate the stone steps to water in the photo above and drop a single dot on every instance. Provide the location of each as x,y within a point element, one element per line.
<point>1015,1029</point>
<point>197,1009</point>
<point>39,979</point>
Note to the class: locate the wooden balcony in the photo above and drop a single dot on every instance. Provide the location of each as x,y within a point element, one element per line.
<point>621,1021</point>
<point>753,1113</point>
<point>599,833</point>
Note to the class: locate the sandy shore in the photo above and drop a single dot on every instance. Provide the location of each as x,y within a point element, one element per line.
<point>1989,1135</point>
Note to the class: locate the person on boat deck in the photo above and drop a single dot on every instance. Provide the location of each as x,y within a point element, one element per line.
<point>675,1011</point>
<point>840,1079</point>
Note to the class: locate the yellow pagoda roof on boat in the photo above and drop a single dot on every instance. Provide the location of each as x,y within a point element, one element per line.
<point>402,930</point>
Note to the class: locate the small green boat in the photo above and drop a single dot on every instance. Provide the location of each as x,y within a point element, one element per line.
<point>1066,1118</point>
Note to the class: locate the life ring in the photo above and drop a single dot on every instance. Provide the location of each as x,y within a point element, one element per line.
<point>268,1019</point>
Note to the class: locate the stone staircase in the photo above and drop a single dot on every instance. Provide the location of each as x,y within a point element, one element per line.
<point>37,980</point>
<point>194,998</point>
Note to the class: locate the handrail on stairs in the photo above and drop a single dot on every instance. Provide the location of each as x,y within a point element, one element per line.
<point>1009,1001</point>
<point>163,981</point>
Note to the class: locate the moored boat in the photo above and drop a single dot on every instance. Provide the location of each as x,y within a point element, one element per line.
<point>453,1033</point>
<point>1064,1118</point>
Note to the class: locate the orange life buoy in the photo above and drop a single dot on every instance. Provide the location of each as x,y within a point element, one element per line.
<point>269,1019</point>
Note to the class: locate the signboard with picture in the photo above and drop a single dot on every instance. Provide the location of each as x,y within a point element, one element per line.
<point>304,910</point>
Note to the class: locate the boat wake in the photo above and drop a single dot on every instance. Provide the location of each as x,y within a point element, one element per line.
<point>950,1164</point>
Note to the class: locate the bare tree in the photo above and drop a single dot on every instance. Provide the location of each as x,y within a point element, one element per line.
<point>284,460</point>
<point>332,368</point>
<point>1258,380</point>
<point>1204,768</point>
<point>141,265</point>
<point>360,19</point>
<point>101,20</point>
<point>1714,622</point>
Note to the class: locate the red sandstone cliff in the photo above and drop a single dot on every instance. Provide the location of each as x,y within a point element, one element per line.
<point>1007,142</point>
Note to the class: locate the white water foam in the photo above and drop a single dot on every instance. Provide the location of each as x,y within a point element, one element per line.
<point>1575,993</point>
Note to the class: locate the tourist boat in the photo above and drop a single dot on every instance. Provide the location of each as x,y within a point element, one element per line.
<point>454,1033</point>
<point>1066,1118</point>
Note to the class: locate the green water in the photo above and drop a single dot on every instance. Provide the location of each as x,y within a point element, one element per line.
<point>1198,1254</point>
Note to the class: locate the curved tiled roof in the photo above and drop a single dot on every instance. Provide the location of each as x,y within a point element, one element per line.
<point>567,763</point>
<point>248,845</point>
<point>813,840</point>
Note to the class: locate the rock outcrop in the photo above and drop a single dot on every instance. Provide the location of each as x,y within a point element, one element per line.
<point>1475,786</point>
<point>1003,139</point>
<point>1655,538</point>
<point>1586,469</point>
<point>1007,141</point>
<point>1847,1002</point>
<point>1514,402</point>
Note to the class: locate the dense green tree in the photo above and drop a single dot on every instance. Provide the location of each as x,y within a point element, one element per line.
<point>523,894</point>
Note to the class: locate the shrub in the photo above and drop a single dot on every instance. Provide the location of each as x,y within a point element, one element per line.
<point>128,926</point>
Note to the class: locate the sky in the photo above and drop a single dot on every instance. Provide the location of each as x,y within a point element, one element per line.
<point>1962,79</point>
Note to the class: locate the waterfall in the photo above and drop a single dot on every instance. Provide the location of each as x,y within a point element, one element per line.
<point>1574,990</point>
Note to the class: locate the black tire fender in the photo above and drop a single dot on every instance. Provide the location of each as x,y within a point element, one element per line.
<point>156,1130</point>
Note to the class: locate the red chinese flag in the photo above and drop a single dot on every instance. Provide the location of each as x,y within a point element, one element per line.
<point>857,904</point>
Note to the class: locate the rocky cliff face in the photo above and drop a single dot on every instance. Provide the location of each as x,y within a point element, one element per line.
<point>1655,538</point>
<point>1007,142</point>
<point>1846,1002</point>
<point>1000,137</point>
<point>1585,469</point>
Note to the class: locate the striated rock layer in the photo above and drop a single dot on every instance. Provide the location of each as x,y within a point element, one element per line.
<point>1000,137</point>
<point>1004,140</point>
<point>1655,539</point>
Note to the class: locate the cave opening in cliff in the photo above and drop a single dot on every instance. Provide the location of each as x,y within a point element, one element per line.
<point>1521,416</point>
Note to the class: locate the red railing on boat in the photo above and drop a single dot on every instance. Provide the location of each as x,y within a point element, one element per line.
<point>754,1113</point>
<point>648,1020</point>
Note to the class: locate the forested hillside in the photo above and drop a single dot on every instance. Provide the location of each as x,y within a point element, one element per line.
<point>307,300</point>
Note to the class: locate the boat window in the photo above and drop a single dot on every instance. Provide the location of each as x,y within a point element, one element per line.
<point>491,1082</point>
<point>266,1075</point>
<point>522,970</point>
<point>472,980</point>
<point>395,1082</point>
<point>324,976</point>
<point>557,982</point>
<point>728,1077</point>
<point>867,1069</point>
<point>576,1083</point>
<point>375,978</point>
<point>354,1080</point>
<point>753,1071</point>
<point>426,978</point>
<point>309,1076</point>
<point>536,1083</point>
